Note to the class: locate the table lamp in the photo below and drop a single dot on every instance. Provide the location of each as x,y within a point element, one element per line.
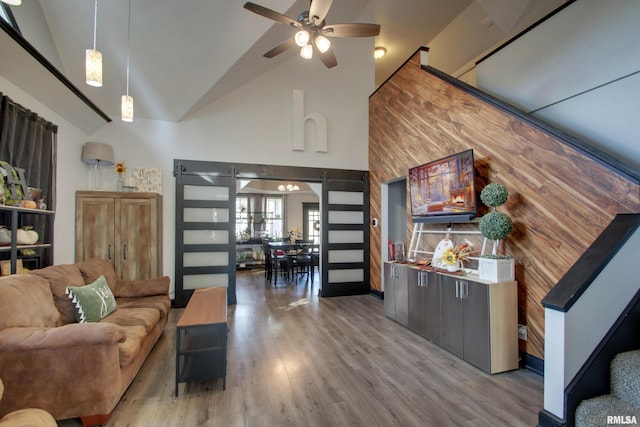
<point>97,154</point>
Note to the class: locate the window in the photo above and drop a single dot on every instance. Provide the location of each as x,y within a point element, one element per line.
<point>259,216</point>
<point>311,227</point>
<point>243,230</point>
<point>275,216</point>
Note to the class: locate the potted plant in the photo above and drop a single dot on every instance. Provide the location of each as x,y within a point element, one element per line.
<point>495,226</point>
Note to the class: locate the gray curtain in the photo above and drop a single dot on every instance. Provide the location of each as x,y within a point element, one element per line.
<point>28,141</point>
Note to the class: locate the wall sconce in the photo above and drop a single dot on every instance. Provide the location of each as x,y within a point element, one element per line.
<point>97,154</point>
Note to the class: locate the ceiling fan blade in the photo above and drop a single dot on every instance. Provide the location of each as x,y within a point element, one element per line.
<point>268,13</point>
<point>318,10</point>
<point>328,58</point>
<point>280,48</point>
<point>351,30</point>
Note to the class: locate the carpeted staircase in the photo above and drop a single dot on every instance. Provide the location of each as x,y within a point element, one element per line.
<point>622,406</point>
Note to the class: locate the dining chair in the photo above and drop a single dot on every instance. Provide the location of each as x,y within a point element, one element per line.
<point>268,261</point>
<point>304,261</point>
<point>279,263</point>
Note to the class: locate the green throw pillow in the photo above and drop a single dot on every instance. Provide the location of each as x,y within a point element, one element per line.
<point>93,301</point>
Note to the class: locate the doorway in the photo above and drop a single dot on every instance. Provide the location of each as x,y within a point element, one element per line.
<point>344,224</point>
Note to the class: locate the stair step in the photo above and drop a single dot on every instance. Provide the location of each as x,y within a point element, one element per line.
<point>625,377</point>
<point>604,411</point>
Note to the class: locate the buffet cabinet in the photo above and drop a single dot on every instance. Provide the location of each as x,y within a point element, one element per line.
<point>123,228</point>
<point>474,319</point>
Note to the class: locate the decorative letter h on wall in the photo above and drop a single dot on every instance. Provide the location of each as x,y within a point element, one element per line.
<point>299,120</point>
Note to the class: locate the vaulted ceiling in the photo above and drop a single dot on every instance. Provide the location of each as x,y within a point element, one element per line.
<point>185,55</point>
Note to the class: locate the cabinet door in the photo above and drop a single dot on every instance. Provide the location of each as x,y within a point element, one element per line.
<point>95,233</point>
<point>430,283</point>
<point>415,300</point>
<point>138,239</point>
<point>402,295</point>
<point>389,291</point>
<point>475,312</point>
<point>451,315</point>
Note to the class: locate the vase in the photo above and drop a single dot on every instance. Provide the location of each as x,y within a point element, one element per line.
<point>454,267</point>
<point>120,186</point>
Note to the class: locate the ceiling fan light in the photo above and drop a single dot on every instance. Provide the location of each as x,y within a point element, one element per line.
<point>127,108</point>
<point>307,51</point>
<point>379,52</point>
<point>323,44</point>
<point>302,38</point>
<point>93,67</point>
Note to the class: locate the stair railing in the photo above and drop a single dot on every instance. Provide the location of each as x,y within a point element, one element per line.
<point>583,311</point>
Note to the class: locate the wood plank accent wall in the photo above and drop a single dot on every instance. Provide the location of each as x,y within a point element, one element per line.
<point>560,200</point>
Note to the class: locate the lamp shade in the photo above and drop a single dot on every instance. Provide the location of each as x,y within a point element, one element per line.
<point>126,107</point>
<point>97,153</point>
<point>307,51</point>
<point>323,44</point>
<point>93,67</point>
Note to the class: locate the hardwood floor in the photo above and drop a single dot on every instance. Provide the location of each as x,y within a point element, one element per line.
<point>298,360</point>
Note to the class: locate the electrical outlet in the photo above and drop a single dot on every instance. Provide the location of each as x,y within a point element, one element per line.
<point>522,332</point>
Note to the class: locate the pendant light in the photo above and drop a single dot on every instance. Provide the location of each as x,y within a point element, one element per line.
<point>93,57</point>
<point>127,101</point>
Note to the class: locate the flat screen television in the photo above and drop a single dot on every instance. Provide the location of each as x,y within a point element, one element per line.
<point>444,190</point>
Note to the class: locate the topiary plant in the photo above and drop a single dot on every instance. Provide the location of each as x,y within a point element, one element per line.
<point>495,225</point>
<point>494,194</point>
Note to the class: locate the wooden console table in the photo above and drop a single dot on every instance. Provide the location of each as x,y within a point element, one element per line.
<point>201,338</point>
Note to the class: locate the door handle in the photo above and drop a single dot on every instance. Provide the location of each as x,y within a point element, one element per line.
<point>124,252</point>
<point>109,253</point>
<point>457,289</point>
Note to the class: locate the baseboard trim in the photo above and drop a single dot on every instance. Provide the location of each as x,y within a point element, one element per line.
<point>376,293</point>
<point>532,363</point>
<point>547,419</point>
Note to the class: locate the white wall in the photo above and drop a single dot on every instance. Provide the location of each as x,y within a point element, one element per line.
<point>294,214</point>
<point>251,125</point>
<point>579,71</point>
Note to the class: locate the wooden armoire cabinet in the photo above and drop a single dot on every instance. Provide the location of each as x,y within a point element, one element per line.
<point>124,228</point>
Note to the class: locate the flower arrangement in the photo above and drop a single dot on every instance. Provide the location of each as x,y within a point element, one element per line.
<point>120,168</point>
<point>295,233</point>
<point>451,255</point>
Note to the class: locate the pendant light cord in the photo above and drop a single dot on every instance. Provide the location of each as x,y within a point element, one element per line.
<point>128,44</point>
<point>95,23</point>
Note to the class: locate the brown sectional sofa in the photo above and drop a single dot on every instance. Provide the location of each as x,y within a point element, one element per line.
<point>70,369</point>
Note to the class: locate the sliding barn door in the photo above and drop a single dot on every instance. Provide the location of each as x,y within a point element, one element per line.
<point>345,236</point>
<point>205,235</point>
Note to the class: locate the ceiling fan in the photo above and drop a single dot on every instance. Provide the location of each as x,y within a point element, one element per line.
<point>312,31</point>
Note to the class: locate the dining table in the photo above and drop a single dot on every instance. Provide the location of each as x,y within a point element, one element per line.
<point>291,249</point>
